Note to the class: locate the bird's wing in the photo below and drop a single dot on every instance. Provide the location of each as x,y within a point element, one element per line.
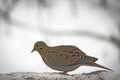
<point>84,60</point>
<point>64,55</point>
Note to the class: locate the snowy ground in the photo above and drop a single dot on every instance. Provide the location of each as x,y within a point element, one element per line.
<point>98,75</point>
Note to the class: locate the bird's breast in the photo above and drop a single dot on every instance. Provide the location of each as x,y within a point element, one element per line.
<point>57,64</point>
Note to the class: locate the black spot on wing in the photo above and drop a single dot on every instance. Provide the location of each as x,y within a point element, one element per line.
<point>73,55</point>
<point>66,57</point>
<point>70,52</point>
<point>41,48</point>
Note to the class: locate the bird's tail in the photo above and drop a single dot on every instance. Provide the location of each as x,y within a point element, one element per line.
<point>98,65</point>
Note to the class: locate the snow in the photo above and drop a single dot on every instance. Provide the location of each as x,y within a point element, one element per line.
<point>97,75</point>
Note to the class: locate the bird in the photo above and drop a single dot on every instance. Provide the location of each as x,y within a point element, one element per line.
<point>65,58</point>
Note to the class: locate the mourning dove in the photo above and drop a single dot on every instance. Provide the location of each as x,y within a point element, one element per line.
<point>64,58</point>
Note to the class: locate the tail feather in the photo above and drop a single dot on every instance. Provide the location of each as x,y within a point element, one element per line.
<point>98,65</point>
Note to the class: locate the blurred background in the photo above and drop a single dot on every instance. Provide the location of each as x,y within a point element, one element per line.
<point>91,25</point>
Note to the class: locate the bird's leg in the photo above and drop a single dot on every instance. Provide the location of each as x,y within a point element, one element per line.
<point>63,72</point>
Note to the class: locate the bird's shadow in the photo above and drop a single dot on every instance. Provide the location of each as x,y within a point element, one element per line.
<point>94,72</point>
<point>90,73</point>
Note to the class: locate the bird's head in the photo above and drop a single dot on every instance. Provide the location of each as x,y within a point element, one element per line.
<point>39,46</point>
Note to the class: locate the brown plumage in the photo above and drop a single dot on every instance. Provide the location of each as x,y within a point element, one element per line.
<point>64,57</point>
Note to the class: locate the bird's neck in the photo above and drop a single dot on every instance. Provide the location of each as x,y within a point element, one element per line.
<point>43,53</point>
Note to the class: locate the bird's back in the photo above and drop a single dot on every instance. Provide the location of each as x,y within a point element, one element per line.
<point>64,57</point>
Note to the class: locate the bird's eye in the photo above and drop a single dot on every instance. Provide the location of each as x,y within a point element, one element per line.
<point>37,45</point>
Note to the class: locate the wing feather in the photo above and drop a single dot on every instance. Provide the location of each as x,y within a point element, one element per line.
<point>64,55</point>
<point>83,60</point>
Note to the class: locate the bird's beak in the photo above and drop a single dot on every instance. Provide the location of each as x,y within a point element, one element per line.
<point>33,50</point>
